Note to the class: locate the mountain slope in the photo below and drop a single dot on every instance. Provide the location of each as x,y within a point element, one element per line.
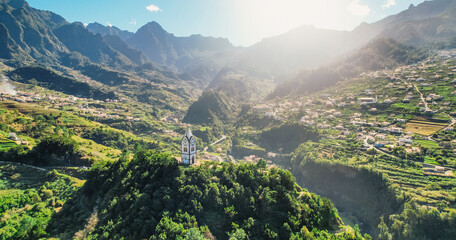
<point>155,42</point>
<point>30,35</point>
<point>430,21</point>
<point>52,80</point>
<point>79,39</point>
<point>379,54</point>
<point>305,46</point>
<point>210,107</point>
<point>117,44</point>
<point>435,29</point>
<point>425,10</point>
<point>308,47</point>
<point>31,30</point>
<point>240,87</point>
<point>7,44</point>
<point>199,56</point>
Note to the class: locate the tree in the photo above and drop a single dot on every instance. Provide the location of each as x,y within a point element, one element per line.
<point>194,234</point>
<point>237,234</point>
<point>384,231</point>
<point>261,164</point>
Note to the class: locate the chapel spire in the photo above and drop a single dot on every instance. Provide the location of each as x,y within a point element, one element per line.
<point>188,133</point>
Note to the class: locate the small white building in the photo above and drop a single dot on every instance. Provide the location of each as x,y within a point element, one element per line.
<point>367,100</point>
<point>13,136</point>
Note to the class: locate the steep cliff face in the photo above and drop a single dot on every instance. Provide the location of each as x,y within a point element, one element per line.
<point>359,194</point>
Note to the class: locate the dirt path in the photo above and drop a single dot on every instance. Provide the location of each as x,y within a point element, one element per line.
<point>26,165</point>
<point>422,97</point>
<point>453,121</point>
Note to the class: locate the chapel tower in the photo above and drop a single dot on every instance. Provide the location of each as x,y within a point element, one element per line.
<point>188,148</point>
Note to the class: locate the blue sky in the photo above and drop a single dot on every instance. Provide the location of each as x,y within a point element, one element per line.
<point>243,22</point>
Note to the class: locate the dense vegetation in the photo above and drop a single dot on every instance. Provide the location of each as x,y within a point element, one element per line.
<point>51,80</point>
<point>50,129</point>
<point>52,150</point>
<point>288,136</point>
<point>153,197</point>
<point>32,198</point>
<point>210,107</point>
<point>107,77</point>
<point>419,222</point>
<point>332,169</point>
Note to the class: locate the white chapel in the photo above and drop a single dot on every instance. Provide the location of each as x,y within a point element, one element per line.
<point>188,148</point>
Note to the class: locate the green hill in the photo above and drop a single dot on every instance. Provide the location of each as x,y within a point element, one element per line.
<point>51,80</point>
<point>31,198</point>
<point>210,107</point>
<point>152,197</point>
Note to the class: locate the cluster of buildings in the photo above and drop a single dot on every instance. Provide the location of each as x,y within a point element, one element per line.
<point>23,97</point>
<point>413,84</point>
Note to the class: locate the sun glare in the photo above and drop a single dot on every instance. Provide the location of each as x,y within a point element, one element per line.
<point>262,16</point>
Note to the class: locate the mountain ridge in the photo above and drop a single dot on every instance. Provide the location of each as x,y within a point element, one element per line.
<point>303,47</point>
<point>96,27</point>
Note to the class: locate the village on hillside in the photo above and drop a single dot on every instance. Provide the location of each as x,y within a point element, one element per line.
<point>406,112</point>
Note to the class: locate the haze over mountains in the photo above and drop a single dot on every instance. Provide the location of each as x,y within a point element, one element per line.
<point>304,47</point>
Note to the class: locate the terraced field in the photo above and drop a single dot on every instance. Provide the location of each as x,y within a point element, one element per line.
<point>425,128</point>
<point>424,189</point>
<point>6,143</point>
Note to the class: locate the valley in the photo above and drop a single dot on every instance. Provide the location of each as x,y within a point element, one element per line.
<point>312,134</point>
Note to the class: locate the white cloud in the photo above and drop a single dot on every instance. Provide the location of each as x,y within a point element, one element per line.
<point>358,9</point>
<point>153,8</point>
<point>389,3</point>
<point>133,21</point>
<point>109,24</point>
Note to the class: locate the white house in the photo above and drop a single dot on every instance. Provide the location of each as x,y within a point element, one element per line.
<point>367,100</point>
<point>13,136</point>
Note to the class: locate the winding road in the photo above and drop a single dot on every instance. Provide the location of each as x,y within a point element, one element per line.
<point>220,159</point>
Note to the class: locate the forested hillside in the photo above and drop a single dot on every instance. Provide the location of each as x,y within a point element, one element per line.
<point>153,197</point>
<point>210,107</point>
